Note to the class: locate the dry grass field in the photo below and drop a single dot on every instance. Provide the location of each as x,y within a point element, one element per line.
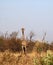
<point>37,53</point>
<point>34,58</point>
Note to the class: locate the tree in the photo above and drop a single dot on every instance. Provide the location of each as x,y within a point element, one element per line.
<point>14,35</point>
<point>31,35</point>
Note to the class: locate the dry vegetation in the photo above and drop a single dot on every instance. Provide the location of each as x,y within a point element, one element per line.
<point>38,53</point>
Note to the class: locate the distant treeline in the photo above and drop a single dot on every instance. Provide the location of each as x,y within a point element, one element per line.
<point>13,43</point>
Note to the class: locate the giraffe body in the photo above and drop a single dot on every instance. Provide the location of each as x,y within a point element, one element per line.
<point>24,43</point>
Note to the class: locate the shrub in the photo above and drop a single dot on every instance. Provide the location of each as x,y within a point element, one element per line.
<point>36,61</point>
<point>48,59</point>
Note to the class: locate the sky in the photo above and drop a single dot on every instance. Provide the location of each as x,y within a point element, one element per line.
<point>33,15</point>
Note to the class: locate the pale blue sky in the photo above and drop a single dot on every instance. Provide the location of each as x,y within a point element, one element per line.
<point>35,15</point>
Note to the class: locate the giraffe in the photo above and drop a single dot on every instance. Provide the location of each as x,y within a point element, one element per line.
<point>24,43</point>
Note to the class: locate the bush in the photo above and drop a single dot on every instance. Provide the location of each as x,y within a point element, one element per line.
<point>36,61</point>
<point>48,59</point>
<point>1,44</point>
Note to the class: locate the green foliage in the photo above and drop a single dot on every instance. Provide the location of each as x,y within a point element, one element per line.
<point>48,59</point>
<point>45,60</point>
<point>36,61</point>
<point>39,49</point>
